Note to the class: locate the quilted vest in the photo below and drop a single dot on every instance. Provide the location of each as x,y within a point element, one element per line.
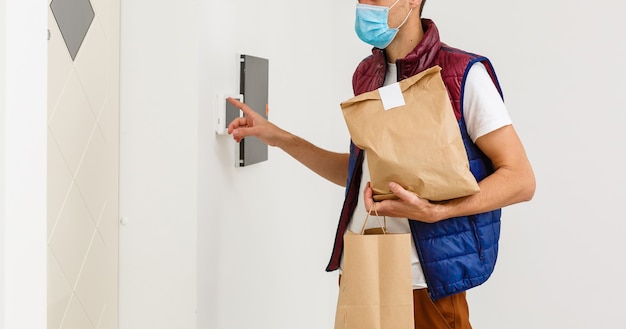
<point>458,253</point>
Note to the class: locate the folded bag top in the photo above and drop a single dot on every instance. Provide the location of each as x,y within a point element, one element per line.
<point>411,136</point>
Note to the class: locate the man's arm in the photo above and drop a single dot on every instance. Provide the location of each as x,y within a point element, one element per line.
<point>330,165</point>
<point>513,181</point>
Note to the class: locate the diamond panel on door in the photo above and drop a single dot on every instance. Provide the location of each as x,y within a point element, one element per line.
<point>74,18</point>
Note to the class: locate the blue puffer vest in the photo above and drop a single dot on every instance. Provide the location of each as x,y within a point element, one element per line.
<point>458,253</point>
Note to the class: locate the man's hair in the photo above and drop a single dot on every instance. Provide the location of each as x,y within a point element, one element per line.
<point>422,7</point>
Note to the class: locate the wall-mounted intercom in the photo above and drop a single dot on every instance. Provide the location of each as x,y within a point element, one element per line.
<point>253,85</point>
<point>225,112</point>
<point>253,90</point>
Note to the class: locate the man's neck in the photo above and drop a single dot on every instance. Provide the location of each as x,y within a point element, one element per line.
<point>407,39</point>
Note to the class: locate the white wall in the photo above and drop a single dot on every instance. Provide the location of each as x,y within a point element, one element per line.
<point>246,247</point>
<point>22,164</point>
<point>561,65</point>
<point>182,194</point>
<point>158,169</point>
<point>265,232</point>
<point>2,154</point>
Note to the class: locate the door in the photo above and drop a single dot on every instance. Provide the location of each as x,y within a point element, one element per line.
<point>83,162</point>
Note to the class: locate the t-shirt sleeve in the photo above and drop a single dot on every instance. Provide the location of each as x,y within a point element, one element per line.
<point>483,107</point>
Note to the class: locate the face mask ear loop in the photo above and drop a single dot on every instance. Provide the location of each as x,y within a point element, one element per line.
<point>395,3</point>
<point>405,19</point>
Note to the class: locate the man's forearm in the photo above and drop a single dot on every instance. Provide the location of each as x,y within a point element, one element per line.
<point>502,188</point>
<point>330,165</point>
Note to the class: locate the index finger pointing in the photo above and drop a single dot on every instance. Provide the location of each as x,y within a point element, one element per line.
<point>242,106</point>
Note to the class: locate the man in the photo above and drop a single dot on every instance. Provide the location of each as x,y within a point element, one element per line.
<point>444,264</point>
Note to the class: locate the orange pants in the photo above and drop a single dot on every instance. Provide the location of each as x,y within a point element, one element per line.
<point>449,312</point>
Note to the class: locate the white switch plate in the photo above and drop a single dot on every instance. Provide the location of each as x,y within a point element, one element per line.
<point>222,116</point>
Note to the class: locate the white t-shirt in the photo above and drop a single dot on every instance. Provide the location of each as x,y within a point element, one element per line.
<point>484,112</point>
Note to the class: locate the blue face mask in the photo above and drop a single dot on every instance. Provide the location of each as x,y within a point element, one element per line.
<point>371,24</point>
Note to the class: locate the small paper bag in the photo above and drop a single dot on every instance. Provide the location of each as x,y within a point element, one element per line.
<point>376,290</point>
<point>412,137</point>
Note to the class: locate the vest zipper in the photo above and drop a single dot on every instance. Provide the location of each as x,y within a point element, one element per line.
<point>479,245</point>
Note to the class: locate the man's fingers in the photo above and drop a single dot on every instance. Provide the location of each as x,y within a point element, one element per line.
<point>240,133</point>
<point>236,123</point>
<point>367,191</point>
<point>401,192</point>
<point>242,106</point>
<point>235,102</point>
<point>367,195</point>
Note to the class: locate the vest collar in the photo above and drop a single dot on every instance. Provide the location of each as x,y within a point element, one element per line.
<point>420,58</point>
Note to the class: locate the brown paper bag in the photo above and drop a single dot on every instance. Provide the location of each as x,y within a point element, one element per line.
<point>411,137</point>
<point>376,290</point>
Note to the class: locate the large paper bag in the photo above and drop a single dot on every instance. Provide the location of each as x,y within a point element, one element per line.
<point>411,137</point>
<point>376,290</point>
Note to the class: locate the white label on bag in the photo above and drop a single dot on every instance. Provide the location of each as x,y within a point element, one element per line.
<point>391,96</point>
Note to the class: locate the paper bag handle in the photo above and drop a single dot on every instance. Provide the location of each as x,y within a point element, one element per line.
<point>383,225</point>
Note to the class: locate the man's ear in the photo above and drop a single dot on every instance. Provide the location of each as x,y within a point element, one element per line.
<point>415,3</point>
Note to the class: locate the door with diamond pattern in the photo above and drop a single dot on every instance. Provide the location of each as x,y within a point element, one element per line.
<point>83,162</point>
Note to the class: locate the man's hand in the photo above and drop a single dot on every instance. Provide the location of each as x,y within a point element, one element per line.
<point>252,124</point>
<point>408,205</point>
<point>513,181</point>
<point>330,165</point>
